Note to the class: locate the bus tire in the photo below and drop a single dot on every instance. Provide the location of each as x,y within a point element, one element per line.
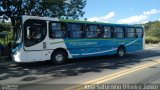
<point>121,51</point>
<point>58,57</point>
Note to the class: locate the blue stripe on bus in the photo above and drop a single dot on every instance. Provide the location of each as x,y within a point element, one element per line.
<point>84,48</point>
<point>17,48</point>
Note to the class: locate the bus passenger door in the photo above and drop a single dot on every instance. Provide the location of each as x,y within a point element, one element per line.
<point>35,33</point>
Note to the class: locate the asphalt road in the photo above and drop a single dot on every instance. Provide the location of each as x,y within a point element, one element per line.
<point>74,73</point>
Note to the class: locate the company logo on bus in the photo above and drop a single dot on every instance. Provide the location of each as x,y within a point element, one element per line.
<point>82,43</point>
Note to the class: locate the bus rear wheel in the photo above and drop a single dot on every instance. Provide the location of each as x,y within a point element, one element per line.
<point>121,52</point>
<point>58,57</point>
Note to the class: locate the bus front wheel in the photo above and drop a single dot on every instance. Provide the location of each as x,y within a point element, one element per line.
<point>121,52</point>
<point>58,57</point>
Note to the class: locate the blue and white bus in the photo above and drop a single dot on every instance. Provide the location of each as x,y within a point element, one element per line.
<point>42,38</point>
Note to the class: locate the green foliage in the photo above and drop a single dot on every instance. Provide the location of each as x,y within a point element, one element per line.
<point>68,9</point>
<point>72,9</point>
<point>152,40</point>
<point>5,26</point>
<point>153,29</point>
<point>7,39</point>
<point>152,32</point>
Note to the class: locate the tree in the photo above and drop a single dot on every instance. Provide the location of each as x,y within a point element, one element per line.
<point>72,9</point>
<point>4,26</point>
<point>153,29</point>
<point>69,9</point>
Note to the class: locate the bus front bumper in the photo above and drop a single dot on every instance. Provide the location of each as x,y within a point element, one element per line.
<point>17,57</point>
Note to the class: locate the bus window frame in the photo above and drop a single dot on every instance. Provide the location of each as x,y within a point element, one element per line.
<point>50,28</point>
<point>30,22</point>
<point>111,31</point>
<point>142,36</point>
<point>98,27</point>
<point>82,27</point>
<point>126,33</point>
<point>114,34</point>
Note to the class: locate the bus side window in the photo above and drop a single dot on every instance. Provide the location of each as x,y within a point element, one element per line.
<point>75,30</point>
<point>92,31</point>
<point>107,32</point>
<point>130,32</point>
<point>139,32</point>
<point>119,32</point>
<point>57,30</point>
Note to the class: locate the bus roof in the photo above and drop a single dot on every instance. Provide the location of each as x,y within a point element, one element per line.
<point>101,23</point>
<point>83,22</point>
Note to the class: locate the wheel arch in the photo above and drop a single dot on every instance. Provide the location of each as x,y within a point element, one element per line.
<point>59,49</point>
<point>122,46</point>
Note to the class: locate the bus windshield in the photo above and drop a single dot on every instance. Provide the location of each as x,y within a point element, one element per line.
<point>18,32</point>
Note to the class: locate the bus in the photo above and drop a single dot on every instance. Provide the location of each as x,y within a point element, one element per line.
<point>43,38</point>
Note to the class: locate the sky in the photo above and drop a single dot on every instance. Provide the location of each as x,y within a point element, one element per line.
<point>122,11</point>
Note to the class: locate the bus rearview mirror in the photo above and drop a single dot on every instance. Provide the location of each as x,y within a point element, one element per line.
<point>28,31</point>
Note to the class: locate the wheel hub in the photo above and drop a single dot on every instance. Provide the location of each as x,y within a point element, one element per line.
<point>59,57</point>
<point>121,52</point>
